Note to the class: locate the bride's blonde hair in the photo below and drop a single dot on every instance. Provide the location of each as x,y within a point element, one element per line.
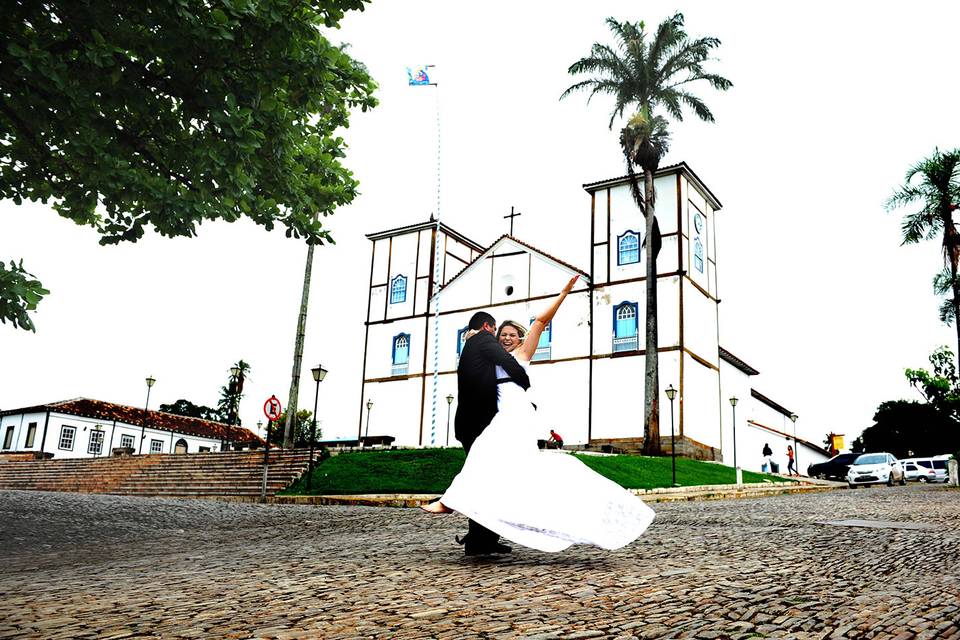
<point>522,330</point>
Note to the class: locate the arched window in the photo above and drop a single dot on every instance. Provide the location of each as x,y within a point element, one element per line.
<point>543,345</point>
<point>625,327</point>
<point>398,290</point>
<point>181,446</point>
<point>401,354</point>
<point>628,248</point>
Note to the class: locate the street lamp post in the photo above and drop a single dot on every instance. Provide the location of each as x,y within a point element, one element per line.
<point>671,394</point>
<point>733,403</point>
<point>319,373</point>
<point>369,406</point>
<point>796,449</point>
<point>146,408</point>
<point>449,404</point>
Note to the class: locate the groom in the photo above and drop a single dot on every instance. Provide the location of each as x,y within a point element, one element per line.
<point>477,404</point>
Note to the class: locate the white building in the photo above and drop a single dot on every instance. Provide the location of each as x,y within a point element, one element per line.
<point>83,428</point>
<point>590,363</point>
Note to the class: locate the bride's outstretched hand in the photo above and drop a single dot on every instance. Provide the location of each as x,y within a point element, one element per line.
<point>573,281</point>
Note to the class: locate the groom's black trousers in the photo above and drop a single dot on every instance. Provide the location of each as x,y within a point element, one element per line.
<point>478,534</point>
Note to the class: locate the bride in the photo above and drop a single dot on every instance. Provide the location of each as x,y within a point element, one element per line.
<point>546,500</point>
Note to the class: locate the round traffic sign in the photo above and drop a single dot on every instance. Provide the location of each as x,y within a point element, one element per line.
<point>271,408</point>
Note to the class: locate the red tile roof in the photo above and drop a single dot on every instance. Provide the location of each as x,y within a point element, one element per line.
<point>100,410</point>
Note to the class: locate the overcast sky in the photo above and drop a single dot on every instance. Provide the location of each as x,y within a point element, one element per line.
<point>831,103</point>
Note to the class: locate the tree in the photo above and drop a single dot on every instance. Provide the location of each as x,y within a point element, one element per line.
<point>184,407</point>
<point>908,428</point>
<point>288,431</point>
<point>19,293</point>
<point>230,394</point>
<point>934,185</point>
<point>941,387</point>
<point>647,75</point>
<point>168,113</point>
<point>302,425</point>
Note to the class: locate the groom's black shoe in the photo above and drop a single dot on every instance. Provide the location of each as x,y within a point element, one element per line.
<point>471,549</point>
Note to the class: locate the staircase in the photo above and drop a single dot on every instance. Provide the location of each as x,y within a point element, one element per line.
<point>233,474</point>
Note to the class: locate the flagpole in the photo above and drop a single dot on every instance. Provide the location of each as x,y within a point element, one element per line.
<point>437,280</point>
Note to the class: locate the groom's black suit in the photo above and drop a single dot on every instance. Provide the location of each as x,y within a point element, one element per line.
<point>477,401</point>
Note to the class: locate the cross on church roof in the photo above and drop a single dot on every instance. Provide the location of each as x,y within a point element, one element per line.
<point>512,216</point>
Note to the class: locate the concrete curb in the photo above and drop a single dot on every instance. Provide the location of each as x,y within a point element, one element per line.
<point>666,494</point>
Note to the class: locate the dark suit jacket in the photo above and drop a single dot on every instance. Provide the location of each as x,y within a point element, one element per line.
<point>477,384</point>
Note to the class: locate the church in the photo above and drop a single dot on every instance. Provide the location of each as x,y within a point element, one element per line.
<point>588,369</point>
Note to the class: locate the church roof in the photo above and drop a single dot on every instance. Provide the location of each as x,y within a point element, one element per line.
<point>508,238</point>
<point>680,167</point>
<point>770,403</point>
<point>429,224</point>
<point>728,357</point>
<point>100,410</point>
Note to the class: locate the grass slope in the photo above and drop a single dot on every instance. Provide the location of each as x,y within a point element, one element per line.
<point>432,470</point>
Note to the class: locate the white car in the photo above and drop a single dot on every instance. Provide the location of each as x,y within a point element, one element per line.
<point>874,468</point>
<point>918,473</point>
<point>937,464</point>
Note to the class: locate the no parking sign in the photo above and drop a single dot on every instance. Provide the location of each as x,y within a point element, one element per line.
<point>271,408</point>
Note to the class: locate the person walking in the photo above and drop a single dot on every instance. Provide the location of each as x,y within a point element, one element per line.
<point>791,463</point>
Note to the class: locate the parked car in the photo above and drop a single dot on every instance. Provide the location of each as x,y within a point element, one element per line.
<point>918,473</point>
<point>937,464</point>
<point>836,467</point>
<point>874,468</point>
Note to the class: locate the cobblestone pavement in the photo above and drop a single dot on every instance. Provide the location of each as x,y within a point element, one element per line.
<point>84,566</point>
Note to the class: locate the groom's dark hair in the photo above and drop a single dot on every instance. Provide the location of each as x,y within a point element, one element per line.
<point>479,319</point>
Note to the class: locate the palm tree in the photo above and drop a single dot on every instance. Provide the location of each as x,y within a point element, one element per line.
<point>646,75</point>
<point>289,439</point>
<point>937,191</point>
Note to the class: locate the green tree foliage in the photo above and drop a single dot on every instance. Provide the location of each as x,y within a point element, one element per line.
<point>907,428</point>
<point>19,293</point>
<point>302,425</point>
<point>649,72</point>
<point>171,112</point>
<point>910,428</point>
<point>933,185</point>
<point>228,407</point>
<point>184,407</point>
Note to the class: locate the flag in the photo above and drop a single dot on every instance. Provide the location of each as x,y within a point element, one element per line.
<point>418,76</point>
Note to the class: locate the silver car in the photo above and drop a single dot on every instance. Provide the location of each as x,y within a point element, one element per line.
<point>874,468</point>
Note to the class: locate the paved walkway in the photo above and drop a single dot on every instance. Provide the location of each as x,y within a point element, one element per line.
<point>83,566</point>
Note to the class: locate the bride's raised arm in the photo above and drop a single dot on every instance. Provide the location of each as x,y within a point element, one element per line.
<point>529,346</point>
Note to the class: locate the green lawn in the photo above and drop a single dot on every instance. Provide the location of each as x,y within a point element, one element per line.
<point>431,471</point>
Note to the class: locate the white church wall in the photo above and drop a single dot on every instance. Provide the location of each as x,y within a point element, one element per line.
<point>733,383</point>
<point>472,289</point>
<point>510,275</point>
<point>600,229</point>
<point>560,393</point>
<point>712,259</point>
<point>701,415</point>
<point>378,302</point>
<point>21,427</point>
<point>667,259</point>
<point>700,324</point>
<point>625,216</point>
<point>697,237</point>
<point>381,252</point>
<point>395,411</point>
<point>402,261</point>
<point>618,397</point>
<point>380,347</point>
<point>666,203</point>
<point>600,272</point>
<point>422,293</point>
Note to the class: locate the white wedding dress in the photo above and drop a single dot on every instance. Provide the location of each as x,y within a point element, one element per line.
<point>546,500</point>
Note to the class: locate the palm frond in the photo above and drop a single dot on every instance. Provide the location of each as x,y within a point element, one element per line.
<point>918,226</point>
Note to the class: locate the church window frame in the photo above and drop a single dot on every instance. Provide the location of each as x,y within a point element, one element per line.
<point>623,339</point>
<point>8,437</point>
<point>544,347</point>
<point>398,289</point>
<point>68,435</point>
<point>126,441</point>
<point>31,435</point>
<point>156,446</point>
<point>400,354</point>
<point>628,248</point>
<point>461,340</point>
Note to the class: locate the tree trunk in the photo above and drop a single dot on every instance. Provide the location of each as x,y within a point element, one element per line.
<point>298,353</point>
<point>951,246</point>
<point>651,387</point>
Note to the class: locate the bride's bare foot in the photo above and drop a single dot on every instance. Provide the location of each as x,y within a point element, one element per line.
<point>436,507</point>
